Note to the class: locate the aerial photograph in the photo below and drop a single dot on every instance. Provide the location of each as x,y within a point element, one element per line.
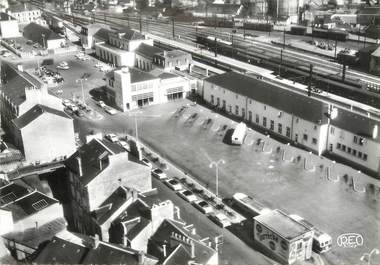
<point>190,132</point>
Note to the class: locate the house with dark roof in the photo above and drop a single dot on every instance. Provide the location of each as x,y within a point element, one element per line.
<point>279,111</point>
<point>19,92</point>
<point>25,243</point>
<point>47,38</point>
<point>119,49</point>
<point>8,26</point>
<point>175,59</point>
<point>290,241</point>
<point>24,13</point>
<point>138,222</point>
<point>96,171</point>
<point>56,140</point>
<point>72,248</point>
<point>144,56</point>
<point>175,243</point>
<point>94,33</point>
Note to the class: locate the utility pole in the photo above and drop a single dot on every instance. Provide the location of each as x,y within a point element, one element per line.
<point>344,69</point>
<point>310,79</point>
<point>216,47</point>
<point>173,27</point>
<point>280,65</point>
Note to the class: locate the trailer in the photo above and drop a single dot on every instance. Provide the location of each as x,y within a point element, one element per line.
<point>249,205</point>
<point>239,134</point>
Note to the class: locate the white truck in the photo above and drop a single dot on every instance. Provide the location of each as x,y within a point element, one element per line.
<point>239,134</point>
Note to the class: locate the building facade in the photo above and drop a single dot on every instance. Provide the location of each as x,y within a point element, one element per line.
<point>8,26</point>
<point>24,13</point>
<point>287,239</point>
<point>173,60</point>
<point>55,141</point>
<point>95,171</point>
<point>130,88</point>
<point>323,128</point>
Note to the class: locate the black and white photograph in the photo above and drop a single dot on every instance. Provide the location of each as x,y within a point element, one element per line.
<point>190,132</point>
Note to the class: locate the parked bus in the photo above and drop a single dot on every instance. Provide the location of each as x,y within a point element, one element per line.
<point>239,134</point>
<point>322,242</point>
<point>249,205</point>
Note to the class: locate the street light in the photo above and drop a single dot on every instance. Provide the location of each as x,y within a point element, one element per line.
<point>368,256</point>
<point>216,165</point>
<point>81,84</point>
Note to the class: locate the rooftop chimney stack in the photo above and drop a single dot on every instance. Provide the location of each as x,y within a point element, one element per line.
<point>192,249</point>
<point>164,250</point>
<point>79,164</point>
<point>141,257</point>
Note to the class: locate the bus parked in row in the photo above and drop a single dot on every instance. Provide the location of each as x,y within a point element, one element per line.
<point>239,134</point>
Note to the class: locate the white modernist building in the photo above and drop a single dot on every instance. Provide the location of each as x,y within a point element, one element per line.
<point>130,88</point>
<point>304,120</point>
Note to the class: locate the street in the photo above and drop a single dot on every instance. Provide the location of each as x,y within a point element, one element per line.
<point>335,208</point>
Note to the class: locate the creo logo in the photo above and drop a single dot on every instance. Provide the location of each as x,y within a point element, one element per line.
<point>350,240</point>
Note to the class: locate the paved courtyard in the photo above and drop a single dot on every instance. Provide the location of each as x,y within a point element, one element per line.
<point>334,207</point>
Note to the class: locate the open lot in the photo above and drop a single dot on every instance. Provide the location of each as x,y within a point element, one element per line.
<point>334,207</point>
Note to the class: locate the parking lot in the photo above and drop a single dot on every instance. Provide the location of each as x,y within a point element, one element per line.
<point>285,177</point>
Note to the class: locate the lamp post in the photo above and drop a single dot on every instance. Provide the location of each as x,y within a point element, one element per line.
<point>81,84</point>
<point>368,256</point>
<point>216,165</point>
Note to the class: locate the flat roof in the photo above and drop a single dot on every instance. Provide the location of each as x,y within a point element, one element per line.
<point>282,224</point>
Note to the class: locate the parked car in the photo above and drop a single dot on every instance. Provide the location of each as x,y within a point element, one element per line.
<point>112,137</point>
<point>220,219</point>
<point>158,173</point>
<point>173,184</point>
<point>203,206</point>
<point>187,195</point>
<point>110,110</point>
<point>124,144</point>
<point>146,162</point>
<point>66,102</point>
<point>101,104</point>
<point>63,67</point>
<point>79,113</point>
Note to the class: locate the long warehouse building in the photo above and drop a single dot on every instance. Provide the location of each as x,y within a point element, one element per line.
<point>305,121</point>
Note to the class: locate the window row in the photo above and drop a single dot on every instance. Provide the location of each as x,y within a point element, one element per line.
<point>352,151</point>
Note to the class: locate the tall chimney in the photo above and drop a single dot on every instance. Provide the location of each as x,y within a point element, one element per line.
<point>79,164</point>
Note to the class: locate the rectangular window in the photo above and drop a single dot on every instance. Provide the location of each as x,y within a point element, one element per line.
<point>264,121</point>
<point>360,154</point>
<point>243,112</point>
<point>361,141</point>
<point>265,107</point>
<point>288,132</point>
<point>343,148</point>
<point>332,130</point>
<point>314,141</point>
<point>237,110</point>
<point>365,157</point>
<point>279,128</point>
<point>257,118</point>
<point>353,152</point>
<point>272,125</point>
<point>355,139</point>
<point>315,127</point>
<point>250,116</point>
<point>349,150</point>
<point>212,99</point>
<point>338,145</point>
<point>305,137</point>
